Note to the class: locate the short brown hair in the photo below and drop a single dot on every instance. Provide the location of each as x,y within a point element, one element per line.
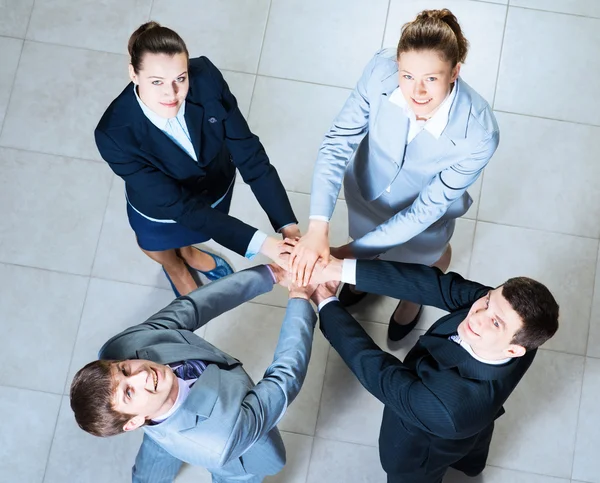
<point>436,30</point>
<point>537,308</point>
<point>92,394</point>
<point>153,38</point>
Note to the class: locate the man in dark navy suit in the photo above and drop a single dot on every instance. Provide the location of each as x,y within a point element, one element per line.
<point>442,400</point>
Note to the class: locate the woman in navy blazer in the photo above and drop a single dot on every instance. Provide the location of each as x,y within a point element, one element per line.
<point>176,136</point>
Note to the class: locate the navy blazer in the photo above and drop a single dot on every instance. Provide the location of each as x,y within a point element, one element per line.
<point>440,400</point>
<point>164,182</point>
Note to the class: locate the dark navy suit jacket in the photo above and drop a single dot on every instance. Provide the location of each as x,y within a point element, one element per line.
<point>164,182</point>
<point>439,400</point>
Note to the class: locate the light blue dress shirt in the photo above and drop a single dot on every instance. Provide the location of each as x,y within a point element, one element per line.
<point>176,129</point>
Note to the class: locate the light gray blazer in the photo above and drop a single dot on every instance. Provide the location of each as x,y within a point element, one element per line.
<point>225,415</point>
<point>436,172</point>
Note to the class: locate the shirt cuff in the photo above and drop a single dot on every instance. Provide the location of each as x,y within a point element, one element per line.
<point>319,218</point>
<point>325,302</point>
<point>272,274</point>
<point>285,226</point>
<point>349,271</point>
<point>255,244</point>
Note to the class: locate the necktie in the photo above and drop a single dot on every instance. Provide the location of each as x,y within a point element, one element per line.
<point>190,369</point>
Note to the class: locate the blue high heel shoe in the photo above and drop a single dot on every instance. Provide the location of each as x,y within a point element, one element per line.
<point>221,270</point>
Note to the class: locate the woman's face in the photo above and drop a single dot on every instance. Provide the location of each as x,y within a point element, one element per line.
<point>162,82</point>
<point>425,80</point>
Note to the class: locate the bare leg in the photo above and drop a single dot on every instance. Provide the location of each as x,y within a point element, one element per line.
<point>197,259</point>
<point>407,311</point>
<point>174,266</point>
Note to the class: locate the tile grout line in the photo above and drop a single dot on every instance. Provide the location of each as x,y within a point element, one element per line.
<point>12,85</point>
<point>569,14</point>
<point>67,156</point>
<point>578,416</point>
<point>65,380</point>
<point>385,24</point>
<point>468,274</point>
<point>499,61</point>
<point>594,288</point>
<point>262,46</point>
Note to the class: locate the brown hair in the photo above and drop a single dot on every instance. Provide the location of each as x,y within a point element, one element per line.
<point>92,394</point>
<point>537,308</point>
<point>436,30</point>
<point>153,38</point>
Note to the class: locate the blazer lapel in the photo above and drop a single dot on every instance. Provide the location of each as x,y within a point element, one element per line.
<point>170,352</point>
<point>194,116</point>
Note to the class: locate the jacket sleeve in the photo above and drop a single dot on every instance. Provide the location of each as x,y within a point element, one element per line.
<point>347,131</point>
<point>249,156</point>
<point>190,312</point>
<point>418,283</point>
<point>431,204</point>
<point>266,403</point>
<point>172,201</point>
<point>383,375</point>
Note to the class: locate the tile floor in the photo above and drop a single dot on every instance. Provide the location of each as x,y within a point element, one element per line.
<point>71,275</point>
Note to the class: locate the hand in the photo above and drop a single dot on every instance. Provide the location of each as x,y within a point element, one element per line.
<point>282,276</point>
<point>270,248</point>
<point>324,291</point>
<point>301,292</point>
<point>308,250</point>
<point>291,231</point>
<point>327,273</point>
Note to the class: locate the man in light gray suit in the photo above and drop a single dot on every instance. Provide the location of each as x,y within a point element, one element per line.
<point>196,404</point>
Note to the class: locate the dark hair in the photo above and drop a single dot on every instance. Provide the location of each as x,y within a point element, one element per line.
<point>436,30</point>
<point>92,394</point>
<point>153,38</point>
<point>537,308</point>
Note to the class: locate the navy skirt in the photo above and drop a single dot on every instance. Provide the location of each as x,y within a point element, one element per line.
<point>156,236</point>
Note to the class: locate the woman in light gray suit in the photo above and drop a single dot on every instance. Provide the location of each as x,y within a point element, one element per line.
<point>410,140</point>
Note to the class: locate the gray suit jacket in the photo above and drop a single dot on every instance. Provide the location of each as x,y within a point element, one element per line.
<point>225,415</point>
<point>435,172</point>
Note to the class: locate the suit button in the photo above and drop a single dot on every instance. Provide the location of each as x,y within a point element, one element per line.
<point>204,192</point>
<point>212,120</point>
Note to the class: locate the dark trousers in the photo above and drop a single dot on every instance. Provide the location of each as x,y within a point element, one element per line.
<point>471,464</point>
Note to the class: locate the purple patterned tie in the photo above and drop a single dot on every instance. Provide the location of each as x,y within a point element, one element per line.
<point>190,369</point>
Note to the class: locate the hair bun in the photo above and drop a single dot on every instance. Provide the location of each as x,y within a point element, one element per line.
<point>138,33</point>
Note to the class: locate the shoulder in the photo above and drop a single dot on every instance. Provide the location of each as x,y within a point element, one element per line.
<point>383,64</point>
<point>481,116</point>
<point>118,113</point>
<point>205,79</point>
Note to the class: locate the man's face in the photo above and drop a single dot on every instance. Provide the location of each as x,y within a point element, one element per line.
<point>490,327</point>
<point>144,389</point>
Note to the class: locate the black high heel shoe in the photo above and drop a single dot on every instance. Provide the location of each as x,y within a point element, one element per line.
<point>398,332</point>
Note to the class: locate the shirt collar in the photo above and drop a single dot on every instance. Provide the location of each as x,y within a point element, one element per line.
<point>159,121</point>
<point>466,346</point>
<point>438,122</point>
<point>182,394</point>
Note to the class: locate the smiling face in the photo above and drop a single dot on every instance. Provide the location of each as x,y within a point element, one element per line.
<point>490,326</point>
<point>144,389</point>
<point>425,80</point>
<point>162,82</point>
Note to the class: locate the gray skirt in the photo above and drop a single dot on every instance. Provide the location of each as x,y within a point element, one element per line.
<point>364,216</point>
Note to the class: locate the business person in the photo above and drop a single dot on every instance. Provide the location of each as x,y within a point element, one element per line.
<point>442,400</point>
<point>410,140</point>
<point>195,403</point>
<point>176,136</point>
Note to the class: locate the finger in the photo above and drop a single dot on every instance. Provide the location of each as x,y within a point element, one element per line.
<point>308,272</point>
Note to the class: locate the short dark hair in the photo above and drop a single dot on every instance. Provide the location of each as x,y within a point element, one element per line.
<point>537,308</point>
<point>153,38</point>
<point>92,394</point>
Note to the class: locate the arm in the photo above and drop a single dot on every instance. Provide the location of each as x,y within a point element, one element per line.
<point>192,311</point>
<point>266,403</point>
<point>383,375</point>
<point>172,201</point>
<point>348,129</point>
<point>431,204</point>
<point>249,156</point>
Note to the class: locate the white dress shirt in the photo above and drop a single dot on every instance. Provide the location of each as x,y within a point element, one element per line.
<point>176,129</point>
